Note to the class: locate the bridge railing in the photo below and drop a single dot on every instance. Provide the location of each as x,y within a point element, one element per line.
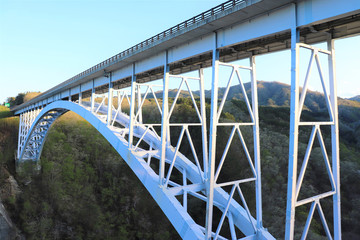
<point>177,28</point>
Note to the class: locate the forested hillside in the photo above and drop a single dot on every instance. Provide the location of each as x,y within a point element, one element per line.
<point>86,191</point>
<point>356,98</point>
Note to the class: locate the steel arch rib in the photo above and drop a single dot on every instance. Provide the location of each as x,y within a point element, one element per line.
<point>175,212</point>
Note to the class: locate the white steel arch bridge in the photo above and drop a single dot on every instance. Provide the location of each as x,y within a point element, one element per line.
<point>234,30</point>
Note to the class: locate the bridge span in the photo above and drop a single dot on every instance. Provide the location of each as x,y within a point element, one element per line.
<point>236,29</point>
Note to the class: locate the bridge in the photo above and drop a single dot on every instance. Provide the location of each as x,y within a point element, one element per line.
<point>112,94</point>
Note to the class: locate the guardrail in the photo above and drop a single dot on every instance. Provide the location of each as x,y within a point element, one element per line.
<point>192,21</point>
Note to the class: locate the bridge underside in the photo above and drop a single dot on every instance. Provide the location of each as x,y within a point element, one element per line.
<point>313,34</point>
<point>318,33</point>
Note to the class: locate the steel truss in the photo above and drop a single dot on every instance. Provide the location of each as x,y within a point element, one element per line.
<point>333,170</point>
<point>121,112</point>
<point>123,116</point>
<point>256,230</point>
<point>33,133</point>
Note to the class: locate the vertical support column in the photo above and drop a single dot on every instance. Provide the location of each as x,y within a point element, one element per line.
<point>132,107</point>
<point>31,115</point>
<point>335,140</point>
<point>294,132</point>
<point>28,121</point>
<point>185,196</point>
<point>80,95</point>
<point>29,118</point>
<point>254,98</point>
<point>69,95</point>
<point>92,96</point>
<point>118,101</point>
<point>139,103</point>
<point>164,119</point>
<point>32,111</point>
<point>25,122</point>
<point>203,123</point>
<point>212,146</point>
<point>20,136</point>
<point>110,99</point>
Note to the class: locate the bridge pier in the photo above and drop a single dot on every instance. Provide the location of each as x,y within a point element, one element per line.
<point>254,162</point>
<point>132,107</point>
<point>80,95</point>
<point>335,140</point>
<point>110,98</point>
<point>164,119</point>
<point>333,170</point>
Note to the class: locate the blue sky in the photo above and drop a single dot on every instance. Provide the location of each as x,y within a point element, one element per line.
<point>43,43</point>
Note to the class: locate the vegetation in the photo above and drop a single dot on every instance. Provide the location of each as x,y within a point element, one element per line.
<point>5,112</point>
<point>21,98</point>
<point>86,191</point>
<point>30,95</point>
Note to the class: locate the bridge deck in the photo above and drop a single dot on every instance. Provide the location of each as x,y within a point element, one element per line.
<point>190,43</point>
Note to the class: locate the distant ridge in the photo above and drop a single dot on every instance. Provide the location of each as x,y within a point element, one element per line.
<point>275,94</point>
<point>356,98</point>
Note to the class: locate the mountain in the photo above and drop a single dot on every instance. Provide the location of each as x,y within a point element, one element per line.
<point>277,94</point>
<point>273,94</point>
<point>269,93</point>
<point>356,98</point>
